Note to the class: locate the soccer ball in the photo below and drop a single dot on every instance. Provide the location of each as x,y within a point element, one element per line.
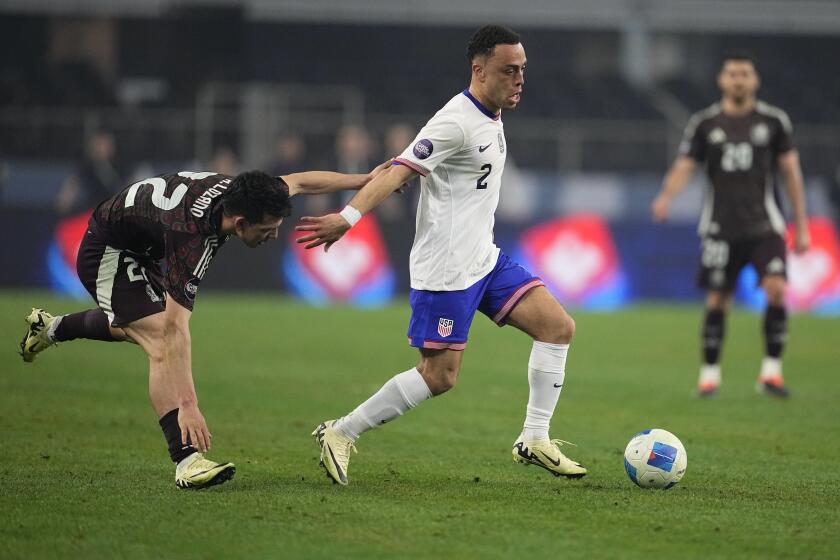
<point>655,459</point>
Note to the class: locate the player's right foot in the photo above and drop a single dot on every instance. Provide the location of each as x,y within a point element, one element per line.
<point>335,451</point>
<point>196,472</point>
<point>546,454</point>
<point>36,339</point>
<point>772,386</point>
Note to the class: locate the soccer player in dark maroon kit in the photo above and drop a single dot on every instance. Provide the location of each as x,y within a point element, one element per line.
<point>182,219</point>
<point>741,142</point>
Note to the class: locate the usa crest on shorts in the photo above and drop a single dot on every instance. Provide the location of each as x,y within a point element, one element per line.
<point>445,327</point>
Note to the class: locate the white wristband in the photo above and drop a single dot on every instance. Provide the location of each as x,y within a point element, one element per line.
<point>351,215</point>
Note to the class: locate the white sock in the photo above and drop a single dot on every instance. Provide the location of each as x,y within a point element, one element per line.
<point>770,368</point>
<point>709,374</point>
<point>53,326</point>
<point>546,372</point>
<point>400,394</point>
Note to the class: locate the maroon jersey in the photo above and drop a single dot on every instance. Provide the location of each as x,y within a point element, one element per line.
<point>740,155</point>
<point>171,218</point>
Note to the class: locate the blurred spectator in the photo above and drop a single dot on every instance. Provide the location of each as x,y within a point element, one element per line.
<point>834,196</point>
<point>353,150</point>
<point>353,154</point>
<point>397,139</point>
<point>289,155</point>
<point>96,178</point>
<point>398,207</point>
<point>224,161</point>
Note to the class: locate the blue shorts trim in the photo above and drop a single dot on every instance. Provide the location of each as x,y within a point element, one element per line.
<point>442,320</point>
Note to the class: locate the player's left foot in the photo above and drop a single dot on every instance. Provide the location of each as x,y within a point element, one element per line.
<point>707,390</point>
<point>196,472</point>
<point>335,451</point>
<point>546,454</point>
<point>772,386</point>
<point>37,337</point>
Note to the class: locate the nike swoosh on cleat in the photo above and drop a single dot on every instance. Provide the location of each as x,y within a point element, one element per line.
<point>337,467</point>
<point>552,461</point>
<point>558,385</point>
<point>482,148</point>
<point>208,470</point>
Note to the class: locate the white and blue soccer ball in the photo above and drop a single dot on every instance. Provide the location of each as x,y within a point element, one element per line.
<point>655,459</point>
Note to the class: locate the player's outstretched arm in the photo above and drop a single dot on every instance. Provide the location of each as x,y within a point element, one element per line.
<point>323,182</point>
<point>791,171</point>
<point>326,230</point>
<point>177,361</point>
<point>675,181</point>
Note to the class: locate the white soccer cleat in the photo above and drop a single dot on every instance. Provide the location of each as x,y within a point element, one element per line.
<point>196,472</point>
<point>335,451</point>
<point>37,337</point>
<point>546,454</point>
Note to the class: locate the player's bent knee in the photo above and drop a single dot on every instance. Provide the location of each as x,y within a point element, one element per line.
<point>440,379</point>
<point>560,331</point>
<point>567,330</point>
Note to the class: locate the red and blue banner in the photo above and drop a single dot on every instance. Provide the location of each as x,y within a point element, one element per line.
<point>356,269</point>
<point>61,255</point>
<point>576,258</point>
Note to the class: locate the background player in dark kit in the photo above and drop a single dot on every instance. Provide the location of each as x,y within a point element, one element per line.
<point>742,141</point>
<point>182,219</point>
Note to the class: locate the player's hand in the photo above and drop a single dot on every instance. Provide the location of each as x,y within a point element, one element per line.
<point>659,208</point>
<point>802,240</point>
<point>378,169</point>
<point>382,167</point>
<point>193,426</point>
<point>325,230</point>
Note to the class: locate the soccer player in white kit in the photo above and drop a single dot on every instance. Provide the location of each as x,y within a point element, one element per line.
<point>455,267</point>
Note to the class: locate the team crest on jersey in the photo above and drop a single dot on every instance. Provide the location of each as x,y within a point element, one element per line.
<point>717,136</point>
<point>760,134</point>
<point>423,149</point>
<point>445,327</point>
<point>501,143</point>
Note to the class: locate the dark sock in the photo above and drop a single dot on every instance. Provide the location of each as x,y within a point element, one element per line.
<point>91,324</point>
<point>172,433</point>
<point>775,330</point>
<point>713,328</point>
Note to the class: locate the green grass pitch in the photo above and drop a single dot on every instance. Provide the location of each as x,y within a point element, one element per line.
<point>85,473</point>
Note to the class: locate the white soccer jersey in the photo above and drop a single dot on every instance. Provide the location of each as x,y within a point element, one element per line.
<point>460,154</point>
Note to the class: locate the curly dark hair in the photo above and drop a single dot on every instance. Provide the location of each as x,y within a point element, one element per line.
<point>254,194</point>
<point>486,38</point>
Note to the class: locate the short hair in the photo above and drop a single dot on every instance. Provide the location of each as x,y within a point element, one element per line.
<point>486,38</point>
<point>253,194</point>
<point>739,56</point>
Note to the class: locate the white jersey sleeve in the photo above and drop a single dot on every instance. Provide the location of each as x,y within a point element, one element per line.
<point>442,137</point>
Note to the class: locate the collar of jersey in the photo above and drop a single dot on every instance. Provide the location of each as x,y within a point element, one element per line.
<point>482,108</point>
<point>216,219</point>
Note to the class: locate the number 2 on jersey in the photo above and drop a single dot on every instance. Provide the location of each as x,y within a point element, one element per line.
<point>482,183</point>
<point>159,187</point>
